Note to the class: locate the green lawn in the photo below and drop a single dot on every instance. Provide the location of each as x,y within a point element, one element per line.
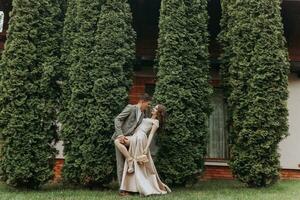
<point>211,190</point>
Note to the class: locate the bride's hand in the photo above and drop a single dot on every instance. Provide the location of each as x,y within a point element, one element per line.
<point>145,152</point>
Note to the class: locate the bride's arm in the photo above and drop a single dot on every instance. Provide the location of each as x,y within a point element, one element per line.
<point>151,135</point>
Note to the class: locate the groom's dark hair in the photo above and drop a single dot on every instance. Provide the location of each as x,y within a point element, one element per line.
<point>145,97</point>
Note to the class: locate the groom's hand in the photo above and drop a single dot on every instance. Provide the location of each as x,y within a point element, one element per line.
<point>122,139</point>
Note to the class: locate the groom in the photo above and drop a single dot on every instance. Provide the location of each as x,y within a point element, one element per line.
<point>125,124</point>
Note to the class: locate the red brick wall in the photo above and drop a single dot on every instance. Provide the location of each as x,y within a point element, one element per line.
<point>58,169</point>
<point>217,172</point>
<point>224,173</point>
<point>290,174</point>
<point>138,88</point>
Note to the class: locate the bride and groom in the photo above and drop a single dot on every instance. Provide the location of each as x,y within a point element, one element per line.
<point>133,135</point>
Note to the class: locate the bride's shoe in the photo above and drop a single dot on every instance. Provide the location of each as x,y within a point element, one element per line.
<point>130,166</point>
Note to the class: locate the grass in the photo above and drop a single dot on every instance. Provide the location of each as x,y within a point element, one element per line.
<point>208,190</point>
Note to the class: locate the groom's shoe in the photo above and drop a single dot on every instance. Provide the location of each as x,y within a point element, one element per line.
<point>130,166</point>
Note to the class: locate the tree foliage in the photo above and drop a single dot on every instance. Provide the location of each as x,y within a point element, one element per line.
<point>99,55</point>
<point>29,94</point>
<point>183,87</point>
<point>255,72</point>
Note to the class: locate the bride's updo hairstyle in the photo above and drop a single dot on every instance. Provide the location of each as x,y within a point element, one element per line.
<point>161,115</point>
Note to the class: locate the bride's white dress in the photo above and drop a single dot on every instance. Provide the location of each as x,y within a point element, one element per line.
<point>145,179</point>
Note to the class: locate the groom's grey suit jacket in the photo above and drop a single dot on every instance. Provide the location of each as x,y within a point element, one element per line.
<point>127,121</point>
<point>125,124</point>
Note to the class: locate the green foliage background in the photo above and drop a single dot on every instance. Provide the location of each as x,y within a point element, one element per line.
<point>87,82</point>
<point>255,71</point>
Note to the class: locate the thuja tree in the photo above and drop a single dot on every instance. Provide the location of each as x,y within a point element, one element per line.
<point>257,76</point>
<point>69,55</point>
<point>99,87</point>
<point>70,29</point>
<point>28,93</point>
<point>115,51</point>
<point>77,88</point>
<point>114,54</point>
<point>69,58</point>
<point>183,87</point>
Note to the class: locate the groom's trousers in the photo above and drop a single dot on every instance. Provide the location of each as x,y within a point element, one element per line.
<point>120,164</point>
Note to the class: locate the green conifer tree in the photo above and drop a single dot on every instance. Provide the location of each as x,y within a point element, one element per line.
<point>256,69</point>
<point>99,81</point>
<point>28,97</point>
<point>183,87</point>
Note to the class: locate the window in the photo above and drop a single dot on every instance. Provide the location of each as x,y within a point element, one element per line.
<point>1,21</point>
<point>218,135</point>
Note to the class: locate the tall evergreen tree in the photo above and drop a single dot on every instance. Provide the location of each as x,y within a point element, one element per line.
<point>256,69</point>
<point>226,42</point>
<point>183,87</point>
<point>99,89</point>
<point>68,54</point>
<point>69,57</point>
<point>77,53</point>
<point>71,28</point>
<point>28,93</point>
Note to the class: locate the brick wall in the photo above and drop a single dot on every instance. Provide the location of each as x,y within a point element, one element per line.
<point>217,172</point>
<point>139,86</point>
<point>290,174</point>
<point>58,169</point>
<point>224,173</point>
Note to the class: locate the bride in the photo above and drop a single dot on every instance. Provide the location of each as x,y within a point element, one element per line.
<point>139,173</point>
